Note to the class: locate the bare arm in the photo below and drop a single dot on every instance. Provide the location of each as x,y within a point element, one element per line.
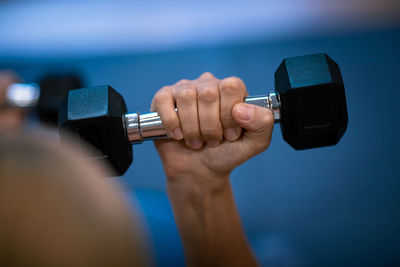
<point>214,132</point>
<point>209,223</point>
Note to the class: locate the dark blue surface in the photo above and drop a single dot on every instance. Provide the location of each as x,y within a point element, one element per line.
<point>96,107</point>
<point>308,71</point>
<point>336,206</point>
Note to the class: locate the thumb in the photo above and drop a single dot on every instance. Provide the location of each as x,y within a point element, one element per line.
<point>257,123</point>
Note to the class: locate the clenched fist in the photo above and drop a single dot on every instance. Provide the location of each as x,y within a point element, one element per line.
<point>215,130</point>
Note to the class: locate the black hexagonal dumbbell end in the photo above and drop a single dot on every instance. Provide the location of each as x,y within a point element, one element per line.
<point>53,89</point>
<point>95,115</point>
<point>313,103</point>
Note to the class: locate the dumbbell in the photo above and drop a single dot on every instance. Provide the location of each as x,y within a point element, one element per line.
<point>309,102</point>
<point>44,96</point>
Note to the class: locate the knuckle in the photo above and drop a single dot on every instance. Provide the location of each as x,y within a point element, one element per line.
<point>266,123</point>
<point>161,96</point>
<point>165,88</point>
<point>268,119</point>
<point>209,94</point>
<point>207,75</point>
<point>183,83</point>
<point>232,85</point>
<point>187,94</point>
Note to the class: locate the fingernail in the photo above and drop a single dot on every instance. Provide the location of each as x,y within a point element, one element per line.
<point>213,142</point>
<point>231,134</point>
<point>196,144</point>
<point>245,112</point>
<point>177,133</point>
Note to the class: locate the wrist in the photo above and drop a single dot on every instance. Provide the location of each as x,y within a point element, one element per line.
<point>197,185</point>
<point>197,197</point>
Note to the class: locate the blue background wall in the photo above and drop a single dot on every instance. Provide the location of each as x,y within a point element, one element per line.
<point>331,206</point>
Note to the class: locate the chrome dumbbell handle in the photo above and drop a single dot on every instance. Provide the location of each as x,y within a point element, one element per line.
<point>22,95</point>
<point>148,126</point>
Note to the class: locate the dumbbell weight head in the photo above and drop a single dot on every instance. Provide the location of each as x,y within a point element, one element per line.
<point>313,103</point>
<point>53,88</point>
<point>44,97</point>
<point>95,114</point>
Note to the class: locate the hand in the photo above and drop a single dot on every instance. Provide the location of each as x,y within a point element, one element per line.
<point>216,131</point>
<point>11,119</point>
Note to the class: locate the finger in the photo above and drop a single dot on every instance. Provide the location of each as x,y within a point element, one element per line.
<point>208,108</point>
<point>163,103</point>
<point>232,91</point>
<point>258,123</point>
<point>186,102</point>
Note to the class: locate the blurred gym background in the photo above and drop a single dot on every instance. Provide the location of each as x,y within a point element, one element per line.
<point>334,206</point>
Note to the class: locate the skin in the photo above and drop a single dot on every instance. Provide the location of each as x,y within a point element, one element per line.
<point>213,132</point>
<point>58,209</point>
<point>11,119</point>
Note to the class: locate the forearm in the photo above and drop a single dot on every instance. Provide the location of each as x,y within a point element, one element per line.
<point>216,133</point>
<point>209,222</point>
